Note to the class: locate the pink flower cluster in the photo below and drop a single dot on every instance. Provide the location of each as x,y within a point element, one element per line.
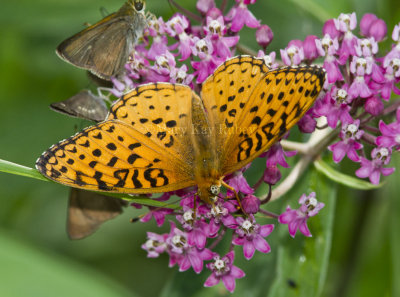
<point>359,85</point>
<point>205,46</point>
<point>359,82</point>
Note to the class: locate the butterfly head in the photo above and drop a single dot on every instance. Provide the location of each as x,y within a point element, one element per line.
<point>138,5</point>
<point>209,193</point>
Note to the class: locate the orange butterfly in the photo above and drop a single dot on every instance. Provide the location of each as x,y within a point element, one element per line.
<point>163,137</point>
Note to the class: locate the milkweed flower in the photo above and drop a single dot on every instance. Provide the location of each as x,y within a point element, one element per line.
<point>251,235</point>
<point>374,168</point>
<point>224,270</point>
<point>296,219</point>
<point>348,145</point>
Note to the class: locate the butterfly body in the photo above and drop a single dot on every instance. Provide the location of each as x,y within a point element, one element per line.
<point>104,47</point>
<point>163,137</point>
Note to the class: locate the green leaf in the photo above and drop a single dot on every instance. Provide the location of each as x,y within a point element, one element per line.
<point>13,168</point>
<point>392,191</point>
<point>145,201</point>
<point>27,271</point>
<point>303,262</point>
<point>344,179</point>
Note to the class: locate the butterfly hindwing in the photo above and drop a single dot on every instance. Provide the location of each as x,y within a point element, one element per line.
<point>83,105</point>
<point>87,210</point>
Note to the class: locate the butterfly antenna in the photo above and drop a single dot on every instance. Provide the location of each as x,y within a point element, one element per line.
<point>103,12</point>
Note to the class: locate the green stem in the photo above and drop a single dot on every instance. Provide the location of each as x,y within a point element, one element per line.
<point>13,168</point>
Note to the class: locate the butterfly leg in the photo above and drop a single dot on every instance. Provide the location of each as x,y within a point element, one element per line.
<point>195,206</point>
<point>236,195</point>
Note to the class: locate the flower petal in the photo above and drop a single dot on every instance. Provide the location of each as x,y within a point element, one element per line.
<point>238,240</point>
<point>196,262</point>
<point>261,244</point>
<point>304,229</point>
<point>248,249</point>
<point>293,225</point>
<point>184,264</point>
<point>212,280</point>
<point>288,216</point>
<point>266,230</point>
<point>229,282</point>
<point>236,272</point>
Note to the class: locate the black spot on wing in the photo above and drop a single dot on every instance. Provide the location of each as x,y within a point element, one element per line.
<point>136,182</point>
<point>134,145</point>
<point>171,124</point>
<point>111,146</point>
<point>171,142</point>
<point>132,158</point>
<point>112,161</point>
<point>157,121</point>
<point>121,175</point>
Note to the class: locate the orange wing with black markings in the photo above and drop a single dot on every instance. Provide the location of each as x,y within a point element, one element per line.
<point>138,149</point>
<point>251,107</point>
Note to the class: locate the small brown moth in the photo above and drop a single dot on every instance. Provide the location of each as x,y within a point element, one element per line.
<point>104,47</point>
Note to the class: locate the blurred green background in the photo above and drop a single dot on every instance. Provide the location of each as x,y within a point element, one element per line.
<point>36,257</point>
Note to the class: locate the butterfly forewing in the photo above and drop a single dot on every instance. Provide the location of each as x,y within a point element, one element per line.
<point>225,95</point>
<point>277,103</point>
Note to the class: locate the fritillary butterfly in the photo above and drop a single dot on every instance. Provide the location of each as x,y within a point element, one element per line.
<point>162,137</point>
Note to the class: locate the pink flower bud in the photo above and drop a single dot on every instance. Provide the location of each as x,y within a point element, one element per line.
<point>251,204</point>
<point>214,13</point>
<point>205,5</point>
<point>264,36</point>
<point>272,175</point>
<point>378,30</point>
<point>330,29</point>
<point>295,42</point>
<point>309,47</point>
<point>373,106</point>
<point>307,124</point>
<point>366,23</point>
